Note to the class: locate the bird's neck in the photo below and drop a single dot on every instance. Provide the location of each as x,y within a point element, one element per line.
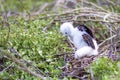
<point>72,29</point>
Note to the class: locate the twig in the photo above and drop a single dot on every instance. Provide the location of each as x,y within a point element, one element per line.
<point>56,55</point>
<point>32,72</point>
<point>111,40</point>
<point>16,53</point>
<point>87,14</point>
<point>107,39</point>
<point>21,65</point>
<point>111,2</point>
<point>95,5</point>
<point>7,67</point>
<point>91,74</point>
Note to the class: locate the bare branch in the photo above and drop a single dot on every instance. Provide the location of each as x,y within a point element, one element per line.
<point>21,64</point>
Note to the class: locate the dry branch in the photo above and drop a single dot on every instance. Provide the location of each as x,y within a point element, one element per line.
<point>21,64</point>
<point>85,14</point>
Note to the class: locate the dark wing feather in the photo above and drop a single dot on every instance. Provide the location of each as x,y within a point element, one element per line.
<point>88,40</point>
<point>84,28</point>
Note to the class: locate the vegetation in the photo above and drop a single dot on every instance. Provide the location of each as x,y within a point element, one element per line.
<point>32,47</point>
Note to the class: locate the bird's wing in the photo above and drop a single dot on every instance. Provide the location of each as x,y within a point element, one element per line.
<point>88,40</point>
<point>85,28</point>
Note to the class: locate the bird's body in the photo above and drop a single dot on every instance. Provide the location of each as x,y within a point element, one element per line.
<point>86,51</point>
<point>78,39</point>
<point>82,38</point>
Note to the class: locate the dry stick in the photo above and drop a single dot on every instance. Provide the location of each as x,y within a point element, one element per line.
<point>62,54</point>
<point>111,2</point>
<point>107,40</point>
<point>32,72</point>
<point>7,67</point>
<point>95,5</point>
<point>92,15</point>
<point>93,20</point>
<point>86,11</point>
<point>108,45</point>
<point>81,9</point>
<point>91,74</point>
<point>71,44</point>
<point>43,8</point>
<point>70,11</point>
<point>13,50</point>
<point>111,40</point>
<point>21,65</point>
<point>63,13</point>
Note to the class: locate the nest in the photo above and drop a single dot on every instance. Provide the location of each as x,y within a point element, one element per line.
<point>77,68</point>
<point>109,42</point>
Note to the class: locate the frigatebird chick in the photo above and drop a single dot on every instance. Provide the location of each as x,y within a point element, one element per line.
<point>82,38</point>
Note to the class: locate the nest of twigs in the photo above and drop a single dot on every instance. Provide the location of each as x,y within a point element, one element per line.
<point>109,42</point>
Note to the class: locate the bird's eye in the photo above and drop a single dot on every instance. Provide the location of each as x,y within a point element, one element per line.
<point>65,32</point>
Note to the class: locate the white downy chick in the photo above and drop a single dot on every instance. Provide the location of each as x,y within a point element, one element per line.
<point>82,38</point>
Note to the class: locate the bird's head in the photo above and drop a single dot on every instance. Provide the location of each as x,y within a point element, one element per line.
<point>66,28</point>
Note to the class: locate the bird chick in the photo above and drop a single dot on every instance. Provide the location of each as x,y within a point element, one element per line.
<point>82,38</point>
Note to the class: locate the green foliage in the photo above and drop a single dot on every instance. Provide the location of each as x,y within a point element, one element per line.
<point>106,69</point>
<point>36,45</point>
<point>20,5</point>
<point>15,74</point>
